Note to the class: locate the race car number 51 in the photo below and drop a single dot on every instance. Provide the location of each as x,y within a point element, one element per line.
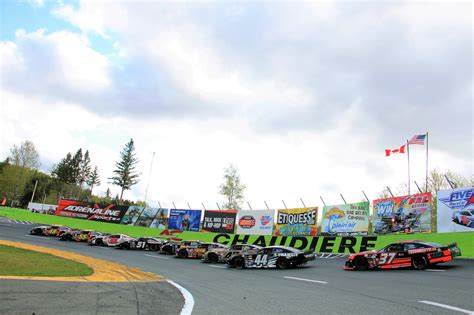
<point>386,258</point>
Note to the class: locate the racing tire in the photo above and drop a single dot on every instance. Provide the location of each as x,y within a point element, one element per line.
<point>282,263</point>
<point>153,247</point>
<point>361,264</point>
<point>167,250</point>
<point>212,258</point>
<point>239,262</point>
<point>419,262</point>
<point>65,237</point>
<point>36,232</point>
<point>183,253</point>
<point>99,242</point>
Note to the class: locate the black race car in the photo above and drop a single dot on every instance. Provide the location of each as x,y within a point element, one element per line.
<point>417,254</point>
<point>143,243</point>
<point>280,257</point>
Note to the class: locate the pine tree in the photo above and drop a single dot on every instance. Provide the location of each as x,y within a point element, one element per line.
<point>84,169</point>
<point>232,189</point>
<point>63,171</point>
<point>93,179</point>
<point>125,174</point>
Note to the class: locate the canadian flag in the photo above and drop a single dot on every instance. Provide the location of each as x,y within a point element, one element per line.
<point>401,150</point>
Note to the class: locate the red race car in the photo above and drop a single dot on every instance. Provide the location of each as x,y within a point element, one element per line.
<point>416,254</point>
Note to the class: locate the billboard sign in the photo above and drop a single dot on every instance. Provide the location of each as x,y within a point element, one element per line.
<point>219,221</point>
<point>161,219</point>
<point>91,211</point>
<point>407,214</point>
<point>346,220</point>
<point>184,220</point>
<point>255,222</point>
<point>146,217</point>
<point>132,215</point>
<point>296,222</point>
<point>456,210</point>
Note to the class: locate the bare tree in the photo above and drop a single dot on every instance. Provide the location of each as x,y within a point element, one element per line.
<point>23,156</point>
<point>232,189</point>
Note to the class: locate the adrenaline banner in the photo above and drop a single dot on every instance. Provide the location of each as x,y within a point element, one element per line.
<point>456,210</point>
<point>255,222</point>
<point>219,221</point>
<point>296,222</point>
<point>346,220</point>
<point>184,220</point>
<point>91,211</point>
<point>407,214</point>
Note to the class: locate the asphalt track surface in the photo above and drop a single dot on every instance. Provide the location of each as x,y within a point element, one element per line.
<point>322,287</point>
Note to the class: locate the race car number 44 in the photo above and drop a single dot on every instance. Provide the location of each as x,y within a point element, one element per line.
<point>261,260</point>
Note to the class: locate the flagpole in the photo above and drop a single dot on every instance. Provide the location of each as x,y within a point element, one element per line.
<point>426,178</point>
<point>408,155</point>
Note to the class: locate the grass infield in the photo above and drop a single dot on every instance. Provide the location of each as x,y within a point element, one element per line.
<point>22,262</point>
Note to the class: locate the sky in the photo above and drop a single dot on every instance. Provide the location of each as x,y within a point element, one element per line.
<point>302,97</point>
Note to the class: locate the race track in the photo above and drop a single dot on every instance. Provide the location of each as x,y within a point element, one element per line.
<point>322,287</point>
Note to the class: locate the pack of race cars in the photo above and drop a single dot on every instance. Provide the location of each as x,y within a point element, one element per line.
<point>416,254</point>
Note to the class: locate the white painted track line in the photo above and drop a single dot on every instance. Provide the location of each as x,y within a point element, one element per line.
<point>188,299</point>
<point>214,266</point>
<point>449,307</point>
<point>434,270</point>
<point>302,279</point>
<point>154,256</point>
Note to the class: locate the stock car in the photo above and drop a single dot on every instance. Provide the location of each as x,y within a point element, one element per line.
<point>195,249</point>
<point>143,243</point>
<point>464,217</point>
<point>280,257</point>
<point>169,246</point>
<point>78,235</point>
<point>50,230</point>
<point>416,254</point>
<point>220,255</point>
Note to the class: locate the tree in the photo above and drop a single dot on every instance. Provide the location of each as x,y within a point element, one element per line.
<point>84,170</point>
<point>64,170</point>
<point>24,156</point>
<point>125,174</point>
<point>93,179</point>
<point>232,189</point>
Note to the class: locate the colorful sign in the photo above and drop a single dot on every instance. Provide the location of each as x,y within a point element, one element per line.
<point>146,217</point>
<point>407,214</point>
<point>132,215</point>
<point>185,220</point>
<point>91,211</point>
<point>219,221</point>
<point>456,210</point>
<point>346,220</point>
<point>161,219</point>
<point>296,222</point>
<point>255,222</point>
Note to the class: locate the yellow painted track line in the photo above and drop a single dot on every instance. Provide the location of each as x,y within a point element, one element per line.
<point>104,270</point>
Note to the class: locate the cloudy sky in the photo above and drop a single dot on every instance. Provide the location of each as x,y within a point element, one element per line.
<point>303,97</point>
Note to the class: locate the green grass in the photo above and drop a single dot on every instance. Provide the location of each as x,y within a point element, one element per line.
<point>22,262</point>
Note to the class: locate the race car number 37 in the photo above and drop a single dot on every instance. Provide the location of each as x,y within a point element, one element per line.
<point>386,258</point>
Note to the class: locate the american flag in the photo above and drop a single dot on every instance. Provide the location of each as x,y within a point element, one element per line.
<point>417,139</point>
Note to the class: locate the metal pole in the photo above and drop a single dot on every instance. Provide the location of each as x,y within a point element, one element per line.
<point>203,206</point>
<point>159,204</point>
<point>322,200</point>
<point>419,189</point>
<point>366,197</point>
<point>452,184</point>
<point>408,151</point>
<point>343,199</point>
<point>189,207</point>
<point>266,205</point>
<point>388,188</point>
<point>284,204</point>
<point>426,178</point>
<point>302,202</point>
<point>174,205</point>
<point>34,191</point>
<point>149,177</point>
<point>218,207</point>
<point>250,207</point>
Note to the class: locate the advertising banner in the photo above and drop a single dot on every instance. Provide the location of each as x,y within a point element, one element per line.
<point>161,219</point>
<point>255,222</point>
<point>456,210</point>
<point>219,221</point>
<point>346,220</point>
<point>185,220</point>
<point>42,207</point>
<point>91,211</point>
<point>407,214</point>
<point>132,215</point>
<point>146,217</point>
<point>296,222</point>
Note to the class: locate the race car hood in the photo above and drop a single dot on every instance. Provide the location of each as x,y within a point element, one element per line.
<point>351,256</point>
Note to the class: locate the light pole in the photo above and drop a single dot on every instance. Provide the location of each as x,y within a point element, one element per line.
<point>149,177</point>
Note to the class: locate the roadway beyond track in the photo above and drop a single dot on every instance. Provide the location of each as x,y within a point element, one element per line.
<point>322,287</point>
